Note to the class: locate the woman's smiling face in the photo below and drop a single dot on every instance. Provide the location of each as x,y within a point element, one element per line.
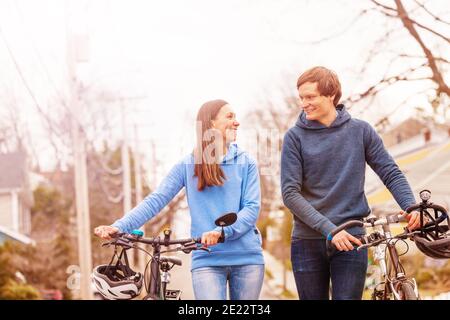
<point>226,123</point>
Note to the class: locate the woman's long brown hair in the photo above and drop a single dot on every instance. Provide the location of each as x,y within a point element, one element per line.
<point>207,166</point>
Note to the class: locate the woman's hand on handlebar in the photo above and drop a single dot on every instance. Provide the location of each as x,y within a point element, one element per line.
<point>343,241</point>
<point>210,238</point>
<point>105,232</point>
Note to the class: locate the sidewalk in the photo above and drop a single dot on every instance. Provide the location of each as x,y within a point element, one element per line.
<point>273,281</point>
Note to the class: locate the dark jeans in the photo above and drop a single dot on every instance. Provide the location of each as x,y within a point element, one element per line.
<point>313,269</point>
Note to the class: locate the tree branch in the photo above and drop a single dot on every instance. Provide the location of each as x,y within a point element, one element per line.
<point>385,82</point>
<point>408,24</point>
<point>338,33</point>
<point>440,59</point>
<point>384,6</point>
<point>421,5</point>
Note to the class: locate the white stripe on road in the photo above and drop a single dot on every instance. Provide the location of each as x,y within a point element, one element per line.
<point>433,175</point>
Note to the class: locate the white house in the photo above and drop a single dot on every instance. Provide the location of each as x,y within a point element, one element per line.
<point>16,198</point>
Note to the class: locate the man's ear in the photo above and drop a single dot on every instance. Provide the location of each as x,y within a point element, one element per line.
<point>332,99</point>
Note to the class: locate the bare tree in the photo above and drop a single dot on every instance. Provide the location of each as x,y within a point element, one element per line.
<point>272,117</point>
<point>428,63</point>
<point>423,59</point>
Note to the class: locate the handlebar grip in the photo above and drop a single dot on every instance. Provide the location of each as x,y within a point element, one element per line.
<point>348,224</point>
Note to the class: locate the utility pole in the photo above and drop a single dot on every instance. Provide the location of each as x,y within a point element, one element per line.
<point>125,162</point>
<point>126,175</point>
<point>138,185</point>
<point>137,167</point>
<point>126,171</point>
<point>80,171</point>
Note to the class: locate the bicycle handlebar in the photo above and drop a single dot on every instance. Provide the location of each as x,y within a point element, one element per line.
<point>348,224</point>
<point>388,220</point>
<point>126,240</point>
<point>394,218</point>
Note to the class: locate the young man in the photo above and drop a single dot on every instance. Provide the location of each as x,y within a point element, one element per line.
<point>322,179</point>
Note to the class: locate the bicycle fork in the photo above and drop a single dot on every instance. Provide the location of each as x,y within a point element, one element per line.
<point>391,285</point>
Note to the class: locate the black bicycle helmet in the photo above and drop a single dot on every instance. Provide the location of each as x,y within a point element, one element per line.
<point>433,238</point>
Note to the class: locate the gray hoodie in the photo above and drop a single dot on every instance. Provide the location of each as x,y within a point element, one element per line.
<point>323,172</point>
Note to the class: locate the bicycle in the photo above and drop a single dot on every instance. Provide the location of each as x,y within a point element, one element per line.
<point>157,275</point>
<point>395,283</point>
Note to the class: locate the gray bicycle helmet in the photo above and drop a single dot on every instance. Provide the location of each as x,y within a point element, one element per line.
<point>117,282</point>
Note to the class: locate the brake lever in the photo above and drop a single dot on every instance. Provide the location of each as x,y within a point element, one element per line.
<point>407,233</point>
<point>370,244</point>
<point>204,249</point>
<point>363,246</point>
<point>193,246</point>
<point>123,243</point>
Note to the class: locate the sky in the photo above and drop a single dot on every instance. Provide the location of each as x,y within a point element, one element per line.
<point>166,58</point>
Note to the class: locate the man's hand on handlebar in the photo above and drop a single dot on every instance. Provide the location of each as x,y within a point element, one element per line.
<point>343,241</point>
<point>413,219</point>
<point>105,232</point>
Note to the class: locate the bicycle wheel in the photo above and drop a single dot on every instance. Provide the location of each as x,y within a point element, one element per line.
<point>407,292</point>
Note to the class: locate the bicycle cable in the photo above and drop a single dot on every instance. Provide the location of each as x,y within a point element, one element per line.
<point>400,266</point>
<point>394,243</point>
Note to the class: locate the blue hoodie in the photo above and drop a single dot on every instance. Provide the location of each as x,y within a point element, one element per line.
<point>323,173</point>
<point>240,193</point>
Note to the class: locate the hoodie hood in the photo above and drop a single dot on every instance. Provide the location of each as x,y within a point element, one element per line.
<point>342,117</point>
<point>233,153</point>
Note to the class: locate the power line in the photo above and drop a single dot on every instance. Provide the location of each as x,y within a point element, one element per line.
<point>22,77</point>
<point>104,166</point>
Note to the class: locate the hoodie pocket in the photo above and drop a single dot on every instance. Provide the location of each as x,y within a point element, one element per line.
<point>258,235</point>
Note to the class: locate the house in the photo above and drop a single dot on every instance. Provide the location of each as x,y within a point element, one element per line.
<point>16,198</point>
<point>412,127</point>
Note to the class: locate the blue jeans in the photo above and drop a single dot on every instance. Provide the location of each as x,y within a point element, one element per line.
<point>245,282</point>
<point>313,270</point>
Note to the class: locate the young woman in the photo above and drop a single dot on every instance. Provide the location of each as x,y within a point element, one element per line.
<point>219,178</point>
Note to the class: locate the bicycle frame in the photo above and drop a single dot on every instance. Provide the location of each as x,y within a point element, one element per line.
<point>159,265</point>
<point>390,284</point>
<point>154,292</point>
<point>157,287</point>
<point>160,278</point>
<point>398,285</point>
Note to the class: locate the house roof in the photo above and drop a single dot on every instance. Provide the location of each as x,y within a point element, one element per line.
<point>8,234</point>
<point>12,170</point>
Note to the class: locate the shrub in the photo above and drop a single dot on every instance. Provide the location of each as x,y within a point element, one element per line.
<point>17,291</point>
